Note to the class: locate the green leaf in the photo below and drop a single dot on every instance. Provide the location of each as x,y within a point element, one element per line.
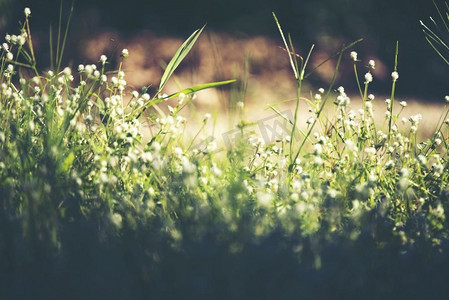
<point>186,91</point>
<point>100,104</point>
<point>190,90</point>
<point>68,161</point>
<point>200,87</point>
<point>179,56</point>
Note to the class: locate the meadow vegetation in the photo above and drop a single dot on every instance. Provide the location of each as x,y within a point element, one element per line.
<point>339,205</point>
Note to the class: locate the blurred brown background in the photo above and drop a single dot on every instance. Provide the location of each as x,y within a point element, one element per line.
<point>244,30</point>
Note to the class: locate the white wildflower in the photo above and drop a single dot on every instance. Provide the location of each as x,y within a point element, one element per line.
<point>178,151</point>
<point>317,149</point>
<point>207,116</point>
<point>395,76</point>
<point>368,78</point>
<point>103,59</point>
<point>415,119</point>
<point>125,53</point>
<point>67,71</point>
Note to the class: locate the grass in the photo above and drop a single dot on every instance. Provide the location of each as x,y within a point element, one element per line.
<point>90,208</point>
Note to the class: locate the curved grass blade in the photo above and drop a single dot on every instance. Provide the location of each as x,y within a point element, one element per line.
<point>292,61</point>
<point>186,91</point>
<point>178,57</point>
<point>200,87</point>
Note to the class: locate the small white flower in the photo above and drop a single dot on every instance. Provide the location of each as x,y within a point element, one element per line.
<point>370,151</point>
<point>395,76</point>
<point>310,120</point>
<point>403,103</point>
<point>27,11</point>
<point>405,172</point>
<point>146,97</point>
<point>103,59</point>
<point>67,71</point>
<point>332,193</point>
<point>415,119</point>
<point>125,53</point>
<point>372,64</point>
<point>21,39</point>
<point>371,97</point>
<point>207,116</point>
<point>446,98</point>
<point>9,56</point>
<point>354,55</point>
<point>31,125</point>
<point>341,90</point>
<point>389,164</point>
<point>317,149</point>
<point>178,151</point>
<point>351,145</point>
<point>321,90</point>
<point>368,78</point>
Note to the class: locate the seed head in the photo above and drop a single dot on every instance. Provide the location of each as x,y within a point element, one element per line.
<point>103,59</point>
<point>395,76</point>
<point>368,77</point>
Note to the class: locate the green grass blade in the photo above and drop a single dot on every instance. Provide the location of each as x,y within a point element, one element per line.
<point>58,42</point>
<point>436,50</point>
<point>65,37</point>
<point>441,16</point>
<point>186,91</point>
<point>200,87</point>
<point>179,56</point>
<point>331,57</point>
<point>52,63</point>
<point>292,63</point>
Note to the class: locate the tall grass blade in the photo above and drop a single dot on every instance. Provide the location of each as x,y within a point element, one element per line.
<point>61,52</point>
<point>178,57</point>
<point>292,63</point>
